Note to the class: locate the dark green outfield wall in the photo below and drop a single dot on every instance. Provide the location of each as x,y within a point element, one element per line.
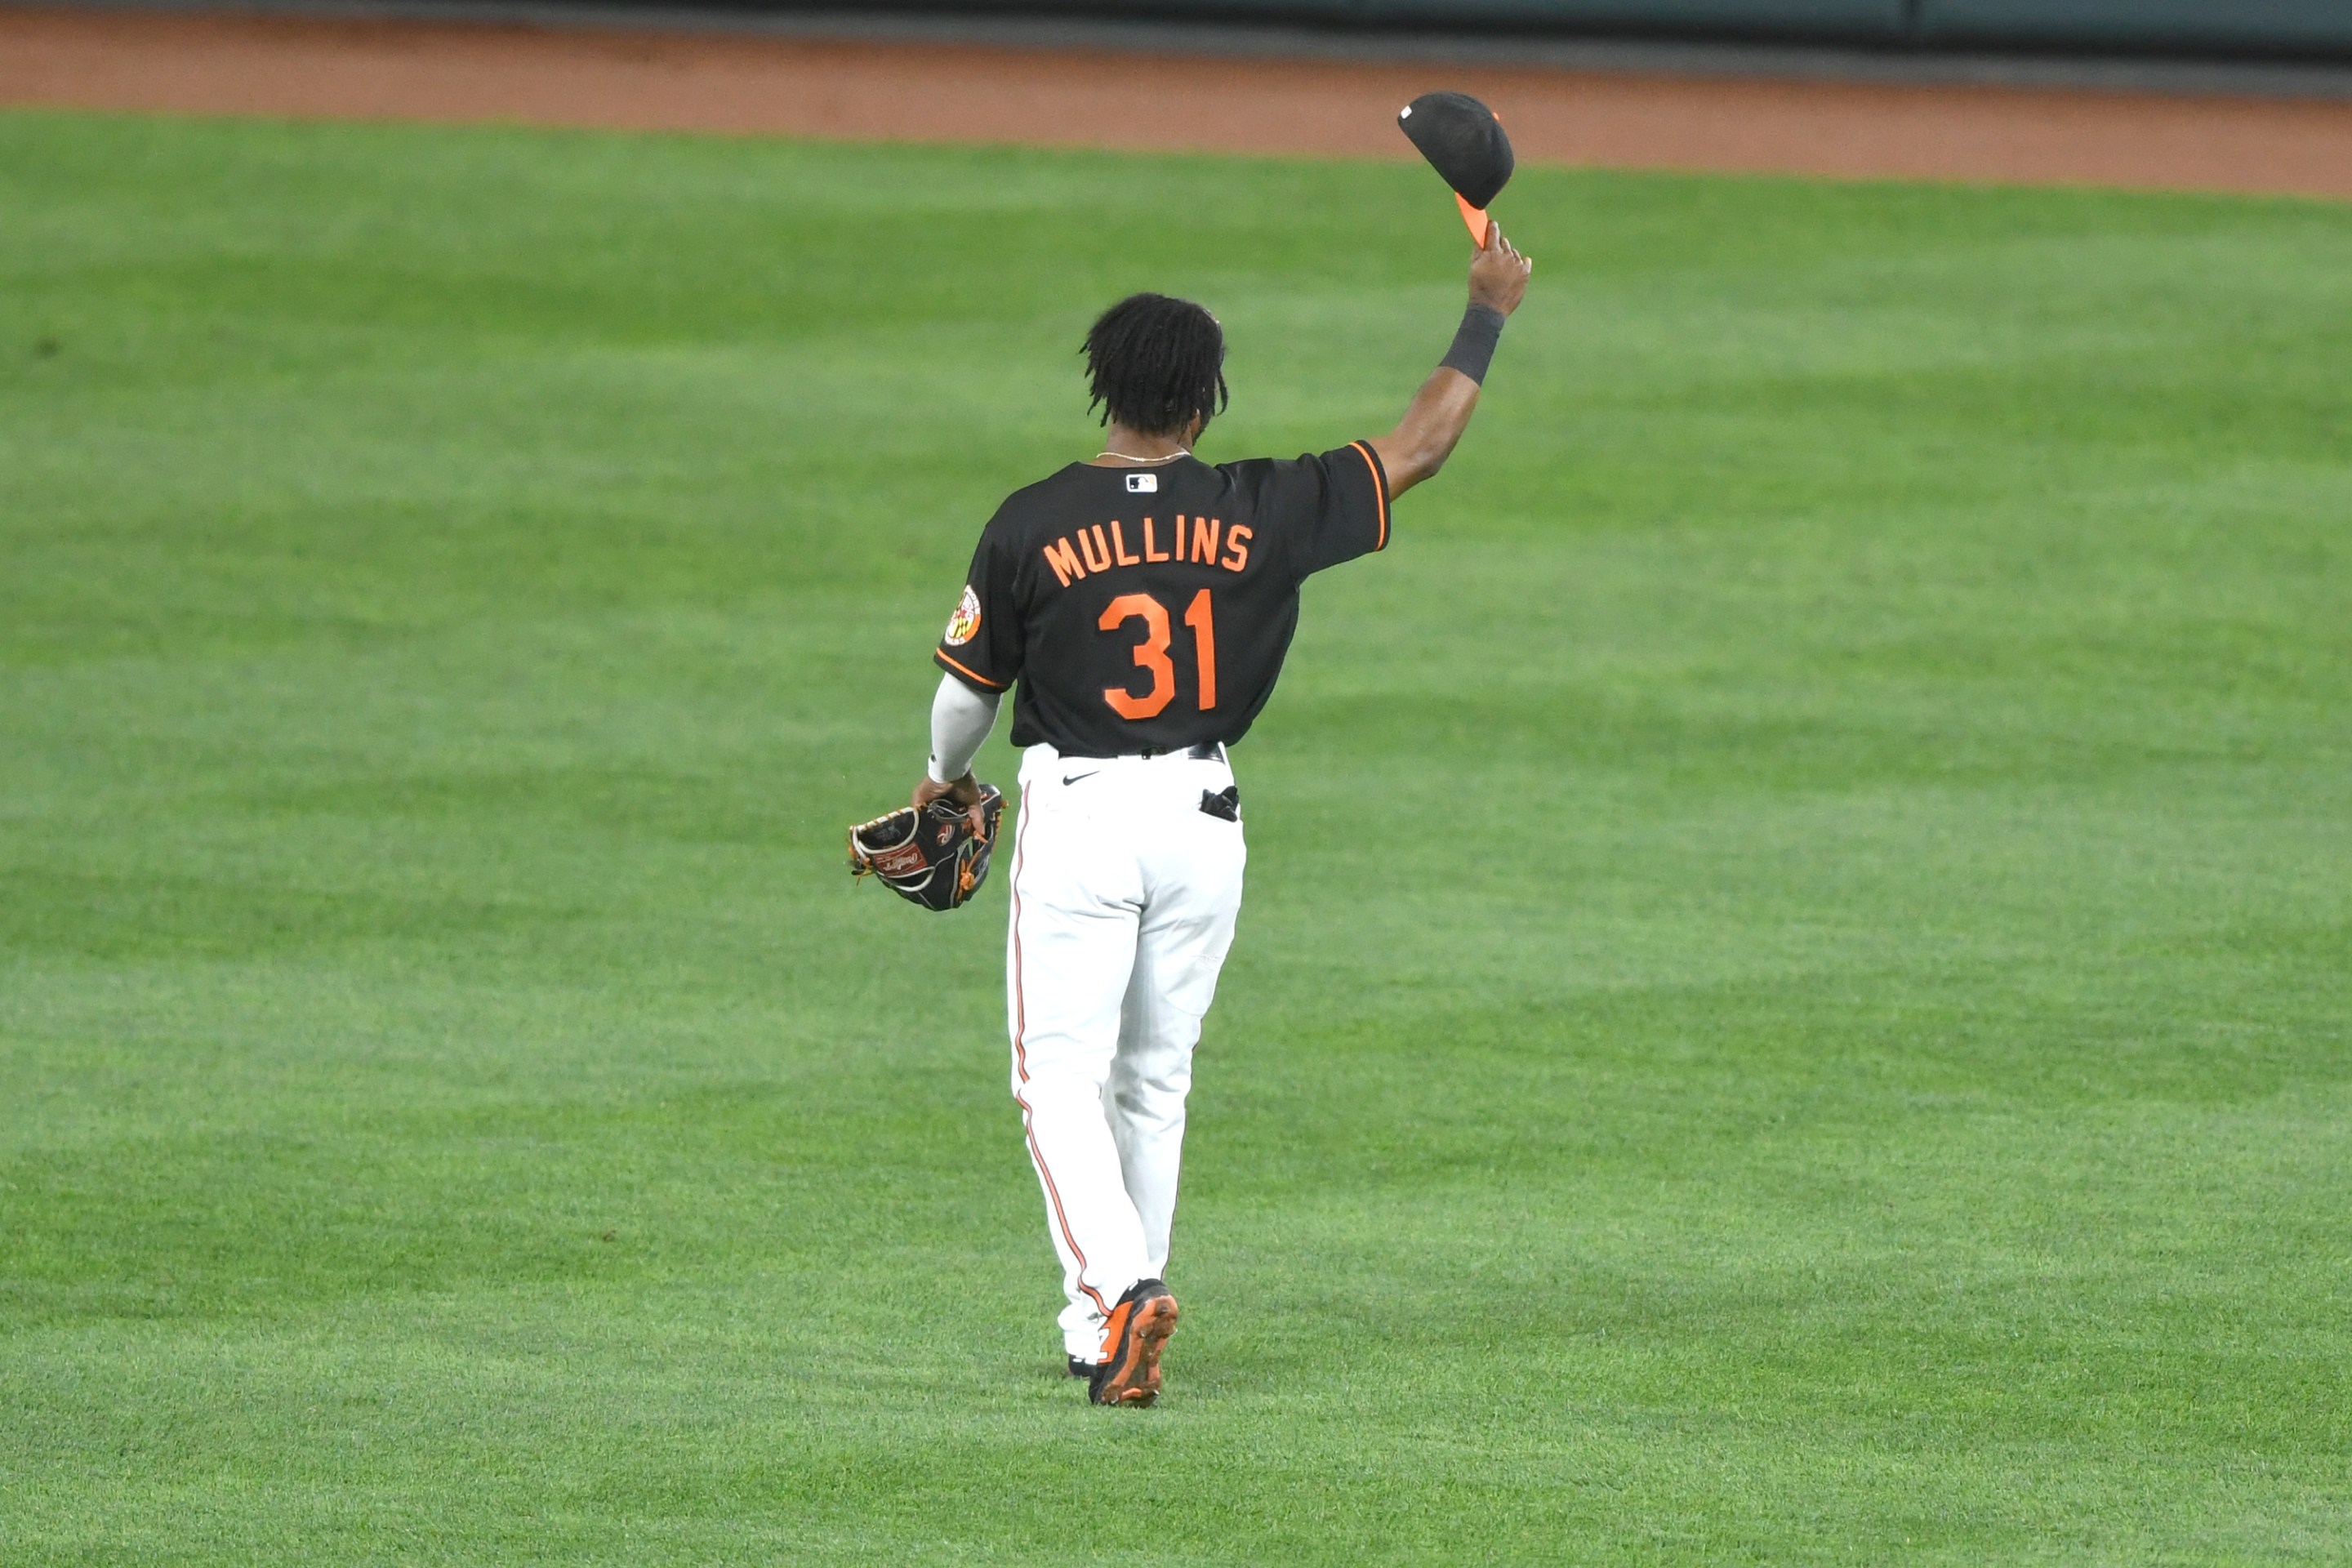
<point>2266,26</point>
<point>2191,24</point>
<point>1841,17</point>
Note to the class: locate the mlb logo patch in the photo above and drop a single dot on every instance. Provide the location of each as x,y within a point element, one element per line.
<point>1143,484</point>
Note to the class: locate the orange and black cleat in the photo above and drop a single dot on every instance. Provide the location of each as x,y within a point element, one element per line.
<point>1136,1332</point>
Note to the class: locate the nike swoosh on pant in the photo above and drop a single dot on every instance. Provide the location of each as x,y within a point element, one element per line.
<point>1076,777</point>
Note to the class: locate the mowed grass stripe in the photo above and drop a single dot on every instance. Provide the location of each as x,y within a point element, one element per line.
<point>1792,1005</point>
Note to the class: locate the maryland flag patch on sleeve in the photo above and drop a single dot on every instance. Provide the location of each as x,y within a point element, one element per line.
<point>964,625</point>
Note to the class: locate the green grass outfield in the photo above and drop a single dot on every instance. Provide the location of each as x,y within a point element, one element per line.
<point>1795,1003</point>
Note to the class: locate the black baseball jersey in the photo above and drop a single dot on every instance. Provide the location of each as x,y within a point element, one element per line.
<point>1150,609</point>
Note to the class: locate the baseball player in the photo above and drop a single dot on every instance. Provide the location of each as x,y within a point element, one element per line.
<point>1139,603</point>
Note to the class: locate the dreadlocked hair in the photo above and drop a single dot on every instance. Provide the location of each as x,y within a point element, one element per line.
<point>1153,364</point>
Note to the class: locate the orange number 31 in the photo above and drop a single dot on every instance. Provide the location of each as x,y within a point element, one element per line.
<point>1151,653</point>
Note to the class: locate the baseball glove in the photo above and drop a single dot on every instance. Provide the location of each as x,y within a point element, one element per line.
<point>929,856</point>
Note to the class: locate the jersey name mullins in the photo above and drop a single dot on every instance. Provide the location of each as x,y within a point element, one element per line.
<point>1193,540</point>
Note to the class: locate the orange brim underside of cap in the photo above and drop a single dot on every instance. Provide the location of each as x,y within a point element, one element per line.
<point>1476,217</point>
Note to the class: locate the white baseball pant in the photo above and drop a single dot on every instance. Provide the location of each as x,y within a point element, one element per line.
<point>1124,894</point>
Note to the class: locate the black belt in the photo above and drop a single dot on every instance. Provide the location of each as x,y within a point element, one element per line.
<point>1206,752</point>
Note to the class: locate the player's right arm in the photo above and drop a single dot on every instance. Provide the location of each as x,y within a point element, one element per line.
<point>1440,410</point>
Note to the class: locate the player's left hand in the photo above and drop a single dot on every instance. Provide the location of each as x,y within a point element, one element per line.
<point>964,792</point>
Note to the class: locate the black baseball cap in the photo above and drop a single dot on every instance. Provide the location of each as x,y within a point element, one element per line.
<point>1463,141</point>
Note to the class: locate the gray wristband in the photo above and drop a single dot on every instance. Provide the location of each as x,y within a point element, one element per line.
<point>1474,342</point>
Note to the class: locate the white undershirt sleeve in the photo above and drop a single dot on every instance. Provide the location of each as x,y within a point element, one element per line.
<point>960,720</point>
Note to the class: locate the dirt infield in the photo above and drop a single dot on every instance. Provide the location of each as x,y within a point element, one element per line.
<point>228,64</point>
